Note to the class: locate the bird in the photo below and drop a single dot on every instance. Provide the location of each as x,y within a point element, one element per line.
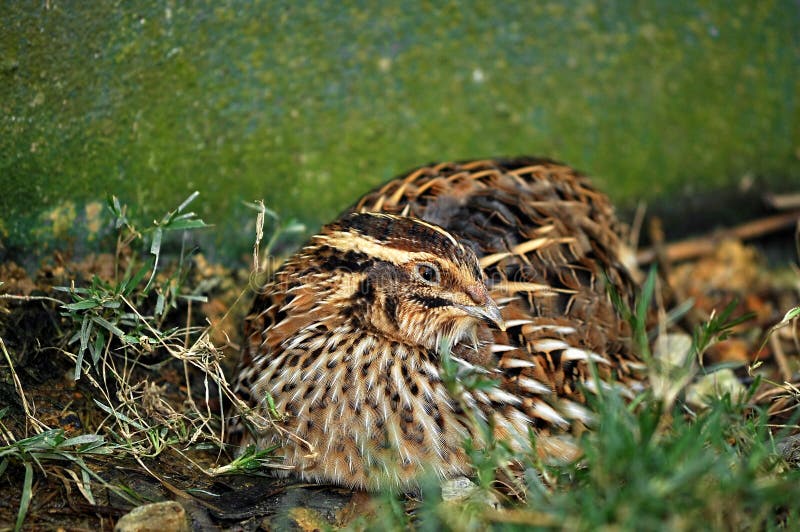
<point>459,301</point>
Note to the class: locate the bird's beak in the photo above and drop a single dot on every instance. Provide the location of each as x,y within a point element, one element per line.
<point>488,312</point>
<point>486,309</point>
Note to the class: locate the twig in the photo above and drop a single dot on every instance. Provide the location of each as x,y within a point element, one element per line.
<point>780,357</point>
<point>783,202</point>
<point>30,298</point>
<point>38,426</point>
<point>181,494</point>
<point>695,247</point>
<point>636,225</point>
<point>185,364</point>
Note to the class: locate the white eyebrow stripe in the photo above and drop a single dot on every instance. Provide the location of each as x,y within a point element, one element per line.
<point>349,241</point>
<point>438,230</point>
<point>421,222</point>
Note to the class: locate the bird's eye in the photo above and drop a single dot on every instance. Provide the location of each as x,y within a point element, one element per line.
<point>428,272</point>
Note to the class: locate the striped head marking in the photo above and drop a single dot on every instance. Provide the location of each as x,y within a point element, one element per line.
<point>408,279</point>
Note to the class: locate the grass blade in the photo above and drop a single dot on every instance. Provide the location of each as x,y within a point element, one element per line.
<point>82,305</point>
<point>188,200</point>
<point>86,329</point>
<point>155,249</point>
<point>120,415</point>
<point>25,499</point>
<point>108,325</point>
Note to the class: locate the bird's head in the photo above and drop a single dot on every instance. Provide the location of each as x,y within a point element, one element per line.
<point>405,278</point>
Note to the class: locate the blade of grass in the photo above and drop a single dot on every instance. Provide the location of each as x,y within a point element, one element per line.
<point>120,415</point>
<point>188,200</point>
<point>108,325</point>
<point>155,249</point>
<point>25,499</point>
<point>86,329</point>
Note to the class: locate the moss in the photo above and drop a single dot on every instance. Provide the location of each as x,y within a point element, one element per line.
<point>309,105</point>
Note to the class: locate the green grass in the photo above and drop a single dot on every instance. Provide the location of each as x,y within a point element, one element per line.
<point>120,333</point>
<point>108,308</point>
<point>52,446</point>
<point>655,469</point>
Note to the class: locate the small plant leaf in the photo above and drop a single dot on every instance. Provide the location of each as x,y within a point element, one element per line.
<point>790,315</point>
<point>190,297</point>
<point>87,486</point>
<point>155,249</point>
<point>120,416</point>
<point>82,439</point>
<point>179,225</point>
<point>86,329</point>
<point>131,340</point>
<point>108,325</point>
<point>82,305</point>
<point>130,284</point>
<point>188,200</point>
<point>71,290</point>
<point>97,348</point>
<point>155,246</point>
<point>159,304</point>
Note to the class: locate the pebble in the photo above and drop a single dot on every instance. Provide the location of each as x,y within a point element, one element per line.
<point>166,516</point>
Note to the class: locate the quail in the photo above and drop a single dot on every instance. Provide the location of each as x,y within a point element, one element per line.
<point>456,297</point>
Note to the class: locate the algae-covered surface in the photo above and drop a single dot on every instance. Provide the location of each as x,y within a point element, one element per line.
<point>307,105</point>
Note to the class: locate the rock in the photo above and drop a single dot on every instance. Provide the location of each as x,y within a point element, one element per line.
<point>459,490</point>
<point>715,384</point>
<point>790,450</point>
<point>168,516</point>
<point>671,369</point>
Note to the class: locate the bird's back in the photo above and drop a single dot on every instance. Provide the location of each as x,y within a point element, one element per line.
<point>550,245</point>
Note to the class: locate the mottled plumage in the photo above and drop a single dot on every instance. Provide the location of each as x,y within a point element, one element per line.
<point>348,337</point>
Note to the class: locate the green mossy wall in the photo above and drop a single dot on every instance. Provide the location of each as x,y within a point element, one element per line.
<point>307,105</point>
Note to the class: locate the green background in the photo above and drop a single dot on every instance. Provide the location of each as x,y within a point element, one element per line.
<point>307,105</point>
